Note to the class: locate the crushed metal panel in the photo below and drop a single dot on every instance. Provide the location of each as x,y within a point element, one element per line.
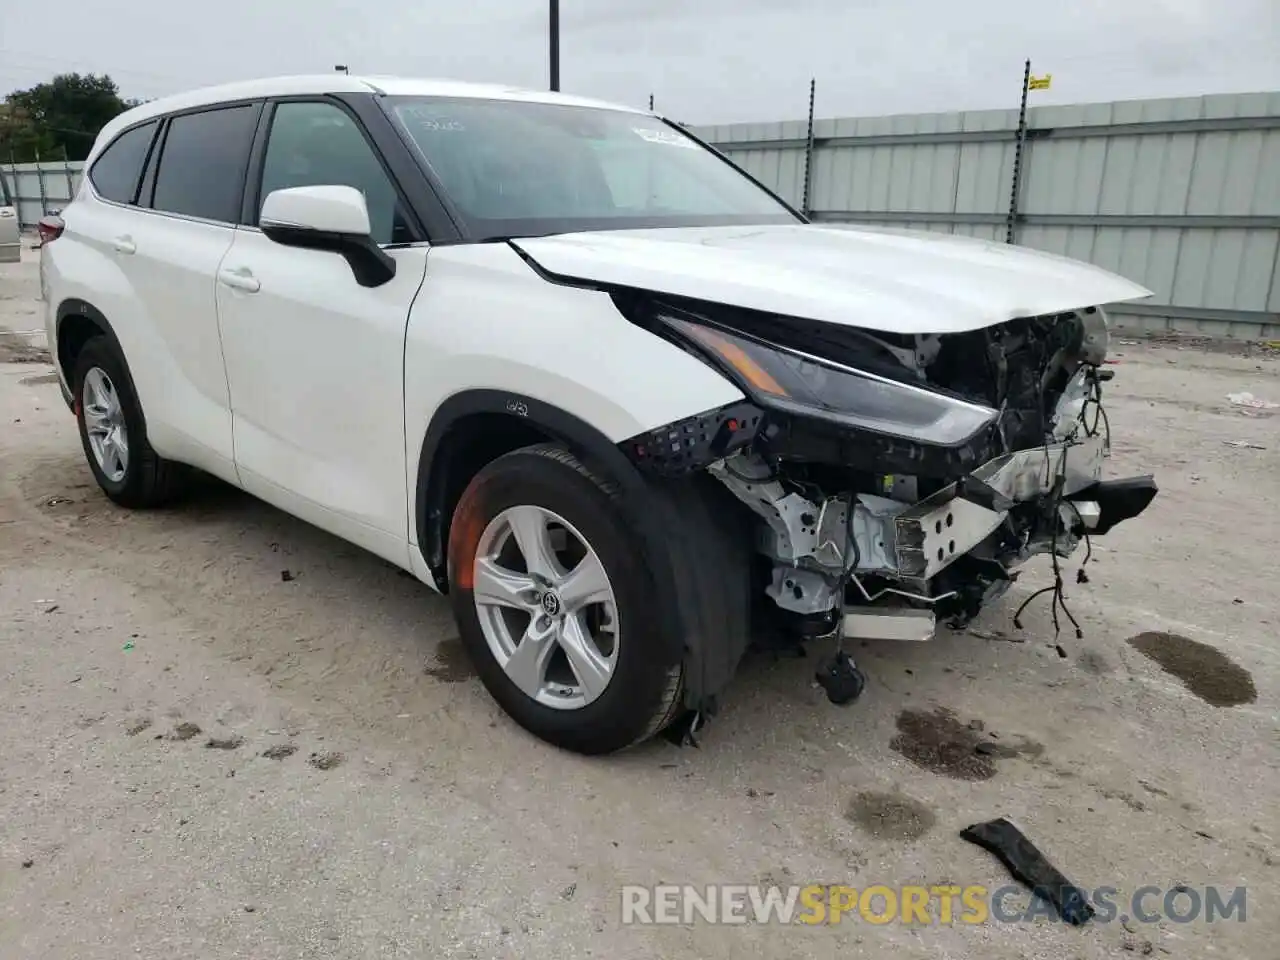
<point>937,531</point>
<point>926,544</point>
<point>875,532</point>
<point>790,532</point>
<point>1027,474</point>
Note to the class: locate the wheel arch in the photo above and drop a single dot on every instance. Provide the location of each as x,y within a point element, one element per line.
<point>474,427</point>
<point>78,321</point>
<point>690,567</point>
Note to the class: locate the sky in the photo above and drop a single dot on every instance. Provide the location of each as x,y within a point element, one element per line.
<point>704,61</point>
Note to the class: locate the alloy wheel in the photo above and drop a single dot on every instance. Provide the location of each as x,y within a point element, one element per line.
<point>546,607</point>
<point>104,424</point>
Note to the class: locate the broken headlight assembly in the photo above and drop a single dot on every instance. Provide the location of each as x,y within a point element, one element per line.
<point>798,383</point>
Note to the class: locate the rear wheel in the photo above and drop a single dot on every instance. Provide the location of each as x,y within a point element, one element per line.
<point>113,433</point>
<point>555,604</point>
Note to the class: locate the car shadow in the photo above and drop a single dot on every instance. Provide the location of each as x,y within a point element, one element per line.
<point>326,619</point>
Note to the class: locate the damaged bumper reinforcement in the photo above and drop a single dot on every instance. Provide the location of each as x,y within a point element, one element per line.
<point>900,482</point>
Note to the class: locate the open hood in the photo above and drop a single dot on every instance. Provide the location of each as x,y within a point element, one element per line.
<point>895,281</point>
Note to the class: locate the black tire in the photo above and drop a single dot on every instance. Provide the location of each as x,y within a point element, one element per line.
<point>644,694</point>
<point>149,480</point>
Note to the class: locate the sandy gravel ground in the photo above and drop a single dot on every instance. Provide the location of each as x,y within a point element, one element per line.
<point>352,792</point>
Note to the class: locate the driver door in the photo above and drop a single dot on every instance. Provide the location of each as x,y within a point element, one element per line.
<point>314,360</point>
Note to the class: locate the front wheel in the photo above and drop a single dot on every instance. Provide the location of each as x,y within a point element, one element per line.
<point>556,607</point>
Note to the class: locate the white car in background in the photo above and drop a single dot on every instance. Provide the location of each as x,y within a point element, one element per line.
<point>10,228</point>
<point>569,365</point>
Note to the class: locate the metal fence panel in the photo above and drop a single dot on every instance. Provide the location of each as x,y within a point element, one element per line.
<point>1180,194</point>
<point>37,188</point>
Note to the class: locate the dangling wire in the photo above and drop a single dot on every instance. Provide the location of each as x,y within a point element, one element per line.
<point>852,557</point>
<point>1094,398</point>
<point>1059,596</point>
<point>1081,576</point>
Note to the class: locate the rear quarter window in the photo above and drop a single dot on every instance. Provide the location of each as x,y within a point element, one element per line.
<point>116,172</point>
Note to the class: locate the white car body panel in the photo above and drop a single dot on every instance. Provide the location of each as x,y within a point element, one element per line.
<point>485,320</point>
<point>160,301</point>
<point>894,281</point>
<point>315,371</point>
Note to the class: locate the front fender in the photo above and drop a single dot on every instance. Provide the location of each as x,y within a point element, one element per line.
<point>485,320</point>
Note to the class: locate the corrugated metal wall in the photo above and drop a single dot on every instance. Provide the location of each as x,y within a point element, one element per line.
<point>37,188</point>
<point>1180,195</point>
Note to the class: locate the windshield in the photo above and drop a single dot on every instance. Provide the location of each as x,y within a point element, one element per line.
<point>519,169</point>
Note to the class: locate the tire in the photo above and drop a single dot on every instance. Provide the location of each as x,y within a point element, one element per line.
<point>645,683</point>
<point>141,477</point>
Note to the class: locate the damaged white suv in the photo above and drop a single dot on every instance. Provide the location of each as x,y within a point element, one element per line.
<point>572,367</point>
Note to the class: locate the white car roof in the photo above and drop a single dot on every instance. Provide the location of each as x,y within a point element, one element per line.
<point>338,83</point>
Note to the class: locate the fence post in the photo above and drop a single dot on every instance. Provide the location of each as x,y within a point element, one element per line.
<point>808,152</point>
<point>44,207</point>
<point>66,168</point>
<point>14,192</point>
<point>1012,219</point>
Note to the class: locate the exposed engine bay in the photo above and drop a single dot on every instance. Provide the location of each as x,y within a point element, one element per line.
<point>900,481</point>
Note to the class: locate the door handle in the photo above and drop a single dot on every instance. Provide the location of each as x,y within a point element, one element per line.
<point>125,244</point>
<point>241,279</point>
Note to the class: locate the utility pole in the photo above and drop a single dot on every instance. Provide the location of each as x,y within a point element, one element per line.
<point>555,45</point>
<point>651,103</point>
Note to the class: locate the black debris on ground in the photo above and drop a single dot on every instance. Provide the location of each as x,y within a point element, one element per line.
<point>1030,867</point>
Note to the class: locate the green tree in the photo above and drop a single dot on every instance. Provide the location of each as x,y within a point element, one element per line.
<point>20,141</point>
<point>64,114</point>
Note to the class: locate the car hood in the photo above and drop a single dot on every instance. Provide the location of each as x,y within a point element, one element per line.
<point>896,281</point>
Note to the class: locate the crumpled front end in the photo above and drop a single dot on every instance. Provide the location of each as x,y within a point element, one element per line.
<point>899,481</point>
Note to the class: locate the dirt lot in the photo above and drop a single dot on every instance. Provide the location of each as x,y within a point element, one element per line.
<point>200,758</point>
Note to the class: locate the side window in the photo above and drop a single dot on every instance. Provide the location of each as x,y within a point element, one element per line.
<point>203,162</point>
<point>318,144</point>
<point>115,173</point>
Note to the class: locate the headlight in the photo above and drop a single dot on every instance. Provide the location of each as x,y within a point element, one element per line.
<point>794,381</point>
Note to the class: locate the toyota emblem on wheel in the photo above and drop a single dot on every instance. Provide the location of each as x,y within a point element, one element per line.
<point>550,604</point>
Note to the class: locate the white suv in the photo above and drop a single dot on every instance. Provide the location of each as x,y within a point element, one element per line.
<point>569,365</point>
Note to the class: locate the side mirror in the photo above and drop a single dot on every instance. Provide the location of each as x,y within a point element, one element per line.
<point>333,218</point>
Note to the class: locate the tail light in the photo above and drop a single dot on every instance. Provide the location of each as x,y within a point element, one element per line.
<point>50,228</point>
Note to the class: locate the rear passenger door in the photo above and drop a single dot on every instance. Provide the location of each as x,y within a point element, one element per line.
<point>189,202</point>
<point>90,266</point>
<point>315,361</point>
